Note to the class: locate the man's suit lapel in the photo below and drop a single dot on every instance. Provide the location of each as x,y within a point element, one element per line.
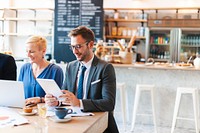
<point>92,71</point>
<point>74,76</point>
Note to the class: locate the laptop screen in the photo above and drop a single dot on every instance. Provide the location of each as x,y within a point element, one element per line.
<point>12,93</point>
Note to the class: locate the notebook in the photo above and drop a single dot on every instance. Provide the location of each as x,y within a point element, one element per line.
<point>12,93</point>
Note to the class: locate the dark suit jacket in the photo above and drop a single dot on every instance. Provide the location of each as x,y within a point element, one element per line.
<point>100,96</point>
<point>8,68</point>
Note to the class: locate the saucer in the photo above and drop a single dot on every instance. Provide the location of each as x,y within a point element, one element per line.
<point>32,113</point>
<point>148,64</point>
<point>56,119</point>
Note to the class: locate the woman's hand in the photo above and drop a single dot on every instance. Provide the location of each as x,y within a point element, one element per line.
<point>32,101</point>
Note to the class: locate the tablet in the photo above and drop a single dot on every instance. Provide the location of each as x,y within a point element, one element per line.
<point>50,87</point>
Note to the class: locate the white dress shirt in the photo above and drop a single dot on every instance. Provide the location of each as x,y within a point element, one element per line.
<point>88,66</point>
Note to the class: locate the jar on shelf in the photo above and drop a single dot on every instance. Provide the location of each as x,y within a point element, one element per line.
<point>145,16</point>
<point>119,31</point>
<point>197,61</point>
<point>124,32</point>
<point>114,31</point>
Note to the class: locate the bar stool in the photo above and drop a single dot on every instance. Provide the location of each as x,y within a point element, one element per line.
<point>122,89</point>
<point>195,97</point>
<point>139,89</point>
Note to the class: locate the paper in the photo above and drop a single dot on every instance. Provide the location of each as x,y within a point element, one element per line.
<point>50,87</point>
<point>76,112</point>
<point>10,118</point>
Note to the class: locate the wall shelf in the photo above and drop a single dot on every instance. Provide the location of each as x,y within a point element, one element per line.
<point>27,19</point>
<point>17,24</point>
<point>160,44</point>
<point>120,24</point>
<point>126,20</point>
<point>17,15</point>
<point>174,22</point>
<point>125,37</point>
<point>21,34</point>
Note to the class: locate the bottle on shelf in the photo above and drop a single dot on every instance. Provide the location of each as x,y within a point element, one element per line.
<point>190,40</point>
<point>116,15</point>
<point>141,31</point>
<point>159,39</point>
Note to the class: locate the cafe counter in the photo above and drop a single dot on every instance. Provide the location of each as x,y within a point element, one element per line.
<point>166,80</point>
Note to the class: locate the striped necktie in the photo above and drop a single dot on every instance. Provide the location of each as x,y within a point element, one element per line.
<point>80,83</point>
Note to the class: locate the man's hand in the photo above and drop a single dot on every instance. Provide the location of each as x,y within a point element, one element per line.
<point>70,98</point>
<point>51,100</point>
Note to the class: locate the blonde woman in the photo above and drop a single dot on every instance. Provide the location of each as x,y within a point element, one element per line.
<point>38,67</point>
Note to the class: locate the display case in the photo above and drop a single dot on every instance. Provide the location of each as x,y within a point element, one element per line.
<point>159,44</point>
<point>174,34</point>
<point>174,44</point>
<point>190,43</point>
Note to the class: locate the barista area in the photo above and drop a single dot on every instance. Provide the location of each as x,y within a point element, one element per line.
<point>116,52</point>
<point>167,37</point>
<point>124,36</point>
<point>133,36</point>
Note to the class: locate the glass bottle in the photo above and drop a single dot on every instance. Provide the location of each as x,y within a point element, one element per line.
<point>116,15</point>
<point>196,61</point>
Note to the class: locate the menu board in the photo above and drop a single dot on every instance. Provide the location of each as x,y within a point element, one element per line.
<point>70,14</point>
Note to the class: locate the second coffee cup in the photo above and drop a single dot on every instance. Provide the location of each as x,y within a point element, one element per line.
<point>62,112</point>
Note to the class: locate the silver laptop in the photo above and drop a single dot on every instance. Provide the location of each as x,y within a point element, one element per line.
<point>12,93</point>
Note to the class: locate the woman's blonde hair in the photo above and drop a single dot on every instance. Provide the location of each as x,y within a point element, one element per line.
<point>40,41</point>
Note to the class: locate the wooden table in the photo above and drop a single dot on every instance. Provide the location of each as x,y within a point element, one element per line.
<point>86,124</point>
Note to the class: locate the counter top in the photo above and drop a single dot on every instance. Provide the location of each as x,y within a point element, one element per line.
<point>154,66</point>
<point>87,124</point>
<point>136,65</point>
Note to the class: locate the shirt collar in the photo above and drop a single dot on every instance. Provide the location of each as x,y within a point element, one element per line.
<point>89,63</point>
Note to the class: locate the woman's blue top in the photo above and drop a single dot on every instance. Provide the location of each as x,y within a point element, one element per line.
<point>31,86</point>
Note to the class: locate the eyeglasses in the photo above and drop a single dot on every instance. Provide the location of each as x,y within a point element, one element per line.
<point>77,46</point>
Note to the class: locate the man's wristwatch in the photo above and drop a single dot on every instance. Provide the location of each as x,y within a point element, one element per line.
<point>60,103</point>
<point>40,99</point>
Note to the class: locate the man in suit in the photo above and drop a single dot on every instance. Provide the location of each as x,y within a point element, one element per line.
<point>8,68</point>
<point>99,84</point>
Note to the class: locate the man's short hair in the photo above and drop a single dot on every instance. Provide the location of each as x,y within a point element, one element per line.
<point>85,32</point>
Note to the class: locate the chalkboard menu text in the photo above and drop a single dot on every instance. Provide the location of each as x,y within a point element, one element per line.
<point>70,14</point>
